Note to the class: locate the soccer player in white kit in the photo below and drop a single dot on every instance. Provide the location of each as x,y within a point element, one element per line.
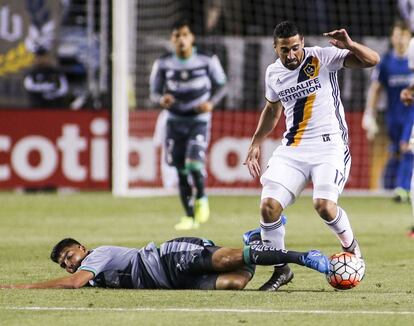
<point>407,97</point>
<point>303,83</point>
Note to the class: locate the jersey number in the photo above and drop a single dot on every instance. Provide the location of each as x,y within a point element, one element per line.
<point>339,178</point>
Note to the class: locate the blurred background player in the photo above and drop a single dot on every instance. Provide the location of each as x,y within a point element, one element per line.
<point>46,83</point>
<point>188,83</point>
<point>197,264</point>
<point>303,83</point>
<point>407,97</point>
<point>391,76</point>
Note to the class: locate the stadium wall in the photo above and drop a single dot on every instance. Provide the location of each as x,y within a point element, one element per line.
<point>44,149</point>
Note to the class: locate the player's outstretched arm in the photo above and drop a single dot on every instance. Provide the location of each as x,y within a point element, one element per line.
<point>267,122</point>
<point>360,56</point>
<point>74,281</point>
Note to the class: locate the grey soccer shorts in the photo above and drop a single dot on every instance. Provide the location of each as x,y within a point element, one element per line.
<point>188,263</point>
<point>186,140</point>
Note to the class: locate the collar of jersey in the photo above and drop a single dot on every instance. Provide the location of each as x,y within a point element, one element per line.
<point>184,60</point>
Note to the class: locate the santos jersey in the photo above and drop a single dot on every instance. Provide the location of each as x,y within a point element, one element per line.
<point>310,97</point>
<point>126,268</point>
<point>190,81</point>
<point>176,264</point>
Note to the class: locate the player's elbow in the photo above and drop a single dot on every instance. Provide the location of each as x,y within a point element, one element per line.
<point>374,60</point>
<point>75,284</point>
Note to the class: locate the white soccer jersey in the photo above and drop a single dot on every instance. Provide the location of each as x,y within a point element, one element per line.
<point>310,97</point>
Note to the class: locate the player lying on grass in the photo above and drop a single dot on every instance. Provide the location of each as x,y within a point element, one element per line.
<point>182,263</point>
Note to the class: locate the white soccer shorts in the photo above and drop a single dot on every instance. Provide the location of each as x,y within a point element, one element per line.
<point>290,169</point>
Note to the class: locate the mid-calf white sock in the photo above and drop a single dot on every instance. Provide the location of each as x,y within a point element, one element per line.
<point>273,234</point>
<point>342,228</point>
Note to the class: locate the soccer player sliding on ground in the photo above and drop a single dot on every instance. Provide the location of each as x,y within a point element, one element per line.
<point>182,263</point>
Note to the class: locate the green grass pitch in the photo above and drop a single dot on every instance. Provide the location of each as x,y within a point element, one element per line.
<point>31,224</point>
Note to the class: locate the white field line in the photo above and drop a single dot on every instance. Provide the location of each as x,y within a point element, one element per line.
<point>213,310</point>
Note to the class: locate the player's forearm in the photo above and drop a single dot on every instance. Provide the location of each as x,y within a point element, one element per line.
<point>62,283</point>
<point>155,97</point>
<point>366,56</point>
<point>267,122</point>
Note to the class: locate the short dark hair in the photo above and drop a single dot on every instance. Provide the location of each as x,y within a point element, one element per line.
<point>401,24</point>
<point>286,29</point>
<point>62,244</point>
<point>180,24</point>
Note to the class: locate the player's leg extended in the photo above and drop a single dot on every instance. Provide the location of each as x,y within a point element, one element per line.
<point>226,259</point>
<point>195,164</point>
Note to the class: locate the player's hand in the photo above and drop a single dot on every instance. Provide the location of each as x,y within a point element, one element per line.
<point>166,101</point>
<point>369,124</point>
<point>340,38</point>
<point>406,96</point>
<point>252,160</point>
<point>205,107</point>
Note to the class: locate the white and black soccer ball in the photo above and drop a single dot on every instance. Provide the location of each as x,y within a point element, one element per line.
<point>346,271</point>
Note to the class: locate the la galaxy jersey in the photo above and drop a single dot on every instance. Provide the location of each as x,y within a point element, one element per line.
<point>190,80</point>
<point>310,96</point>
<point>394,75</point>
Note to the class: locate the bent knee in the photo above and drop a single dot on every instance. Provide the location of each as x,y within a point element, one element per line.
<point>223,262</point>
<point>270,210</point>
<point>325,208</point>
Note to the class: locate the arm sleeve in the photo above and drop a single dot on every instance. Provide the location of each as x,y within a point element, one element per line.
<point>216,71</point>
<point>218,78</point>
<point>156,82</point>
<point>333,57</point>
<point>97,261</point>
<point>270,94</point>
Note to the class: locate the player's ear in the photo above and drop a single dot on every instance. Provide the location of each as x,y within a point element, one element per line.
<point>82,248</point>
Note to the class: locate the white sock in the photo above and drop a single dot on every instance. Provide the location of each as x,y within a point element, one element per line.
<point>273,234</point>
<point>342,228</point>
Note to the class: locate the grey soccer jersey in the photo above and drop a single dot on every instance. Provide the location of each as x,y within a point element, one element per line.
<point>190,81</point>
<point>120,267</point>
<point>180,263</point>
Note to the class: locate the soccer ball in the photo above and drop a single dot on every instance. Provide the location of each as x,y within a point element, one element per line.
<point>345,271</point>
